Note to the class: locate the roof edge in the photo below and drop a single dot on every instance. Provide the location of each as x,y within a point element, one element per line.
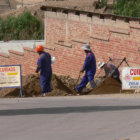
<point>89,13</point>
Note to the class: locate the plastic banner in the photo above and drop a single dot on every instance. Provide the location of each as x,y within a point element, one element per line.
<point>130,78</point>
<point>10,76</point>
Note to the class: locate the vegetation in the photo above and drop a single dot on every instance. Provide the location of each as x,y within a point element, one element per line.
<point>102,4</point>
<point>23,27</point>
<point>127,8</point>
<point>124,7</point>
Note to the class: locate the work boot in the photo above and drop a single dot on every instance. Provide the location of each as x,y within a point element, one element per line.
<point>77,92</point>
<point>43,94</point>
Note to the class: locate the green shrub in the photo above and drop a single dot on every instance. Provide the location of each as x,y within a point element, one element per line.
<point>127,8</point>
<point>23,27</point>
<point>103,4</point>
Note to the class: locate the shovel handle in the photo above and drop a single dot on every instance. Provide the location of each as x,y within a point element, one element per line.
<point>78,79</point>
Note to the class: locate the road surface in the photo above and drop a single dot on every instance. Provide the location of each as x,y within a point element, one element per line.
<point>110,117</point>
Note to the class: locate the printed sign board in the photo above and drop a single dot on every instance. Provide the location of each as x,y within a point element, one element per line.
<point>130,78</point>
<point>10,76</point>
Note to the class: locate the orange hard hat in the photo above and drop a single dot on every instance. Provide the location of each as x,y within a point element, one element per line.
<point>39,48</point>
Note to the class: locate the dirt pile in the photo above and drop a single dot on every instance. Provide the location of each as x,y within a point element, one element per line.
<point>61,86</point>
<point>109,85</point>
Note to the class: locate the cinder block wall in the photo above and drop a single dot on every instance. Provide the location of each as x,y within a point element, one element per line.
<point>66,33</point>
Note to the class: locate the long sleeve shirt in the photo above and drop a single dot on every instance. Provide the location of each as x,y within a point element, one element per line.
<point>90,63</point>
<point>44,64</point>
<point>109,68</point>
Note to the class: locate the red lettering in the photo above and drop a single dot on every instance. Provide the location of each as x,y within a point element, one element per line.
<point>131,71</point>
<point>134,71</point>
<point>6,69</point>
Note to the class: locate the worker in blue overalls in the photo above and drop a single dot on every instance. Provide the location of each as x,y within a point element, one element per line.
<point>44,66</point>
<point>89,68</point>
<point>110,70</point>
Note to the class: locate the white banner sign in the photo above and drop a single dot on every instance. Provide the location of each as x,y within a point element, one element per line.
<point>131,78</point>
<point>10,76</point>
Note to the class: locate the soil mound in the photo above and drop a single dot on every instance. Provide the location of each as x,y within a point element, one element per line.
<point>109,85</point>
<point>61,86</point>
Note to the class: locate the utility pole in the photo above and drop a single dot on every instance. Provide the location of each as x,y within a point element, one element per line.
<point>9,4</point>
<point>22,3</point>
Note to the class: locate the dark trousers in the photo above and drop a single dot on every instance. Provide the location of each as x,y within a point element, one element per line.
<point>45,82</point>
<point>86,78</point>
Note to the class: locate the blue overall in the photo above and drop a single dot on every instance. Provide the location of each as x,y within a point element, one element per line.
<point>109,68</point>
<point>44,66</point>
<point>90,69</point>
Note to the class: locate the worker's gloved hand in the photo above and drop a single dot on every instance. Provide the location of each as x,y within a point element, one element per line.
<point>110,73</point>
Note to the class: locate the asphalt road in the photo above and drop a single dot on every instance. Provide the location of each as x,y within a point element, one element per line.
<point>114,117</point>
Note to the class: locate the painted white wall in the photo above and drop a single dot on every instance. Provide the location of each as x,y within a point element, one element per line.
<point>18,45</point>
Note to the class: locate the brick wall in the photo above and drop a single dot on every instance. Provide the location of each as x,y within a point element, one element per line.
<point>66,33</point>
<point>4,59</point>
<point>108,38</point>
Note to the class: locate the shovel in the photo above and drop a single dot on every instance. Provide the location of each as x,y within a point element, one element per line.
<point>77,79</point>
